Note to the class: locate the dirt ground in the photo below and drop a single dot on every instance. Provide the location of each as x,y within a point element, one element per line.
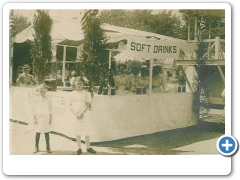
<point>179,141</point>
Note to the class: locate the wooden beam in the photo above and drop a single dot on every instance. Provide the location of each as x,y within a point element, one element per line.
<point>214,62</point>
<point>206,40</point>
<point>209,49</point>
<point>221,51</point>
<point>188,83</point>
<point>65,45</point>
<point>221,74</point>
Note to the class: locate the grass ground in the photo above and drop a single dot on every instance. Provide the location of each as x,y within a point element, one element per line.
<point>164,142</point>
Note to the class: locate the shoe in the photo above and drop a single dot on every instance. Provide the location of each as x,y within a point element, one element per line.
<point>79,152</point>
<point>36,150</point>
<point>49,151</point>
<point>91,150</point>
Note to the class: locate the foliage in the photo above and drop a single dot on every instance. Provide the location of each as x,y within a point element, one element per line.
<point>164,22</point>
<point>18,23</point>
<point>208,27</point>
<point>51,70</point>
<point>216,24</point>
<point>93,62</point>
<point>41,47</point>
<point>201,93</point>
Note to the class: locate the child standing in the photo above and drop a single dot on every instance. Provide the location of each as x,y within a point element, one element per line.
<point>80,106</point>
<point>42,113</point>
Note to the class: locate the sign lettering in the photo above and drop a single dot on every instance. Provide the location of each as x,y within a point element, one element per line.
<point>148,48</point>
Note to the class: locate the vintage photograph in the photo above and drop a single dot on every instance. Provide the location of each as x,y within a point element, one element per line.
<point>116,81</point>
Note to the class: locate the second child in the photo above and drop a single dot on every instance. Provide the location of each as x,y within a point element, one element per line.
<point>80,101</point>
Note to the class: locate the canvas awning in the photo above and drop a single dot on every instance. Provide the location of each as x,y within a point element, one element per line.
<point>69,32</point>
<point>62,30</point>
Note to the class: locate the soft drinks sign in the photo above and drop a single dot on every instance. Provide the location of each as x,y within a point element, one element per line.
<point>148,48</point>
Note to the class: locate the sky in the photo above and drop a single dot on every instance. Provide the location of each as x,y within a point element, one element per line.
<point>62,14</point>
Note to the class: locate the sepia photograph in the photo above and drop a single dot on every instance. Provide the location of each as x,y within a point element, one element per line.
<point>107,81</point>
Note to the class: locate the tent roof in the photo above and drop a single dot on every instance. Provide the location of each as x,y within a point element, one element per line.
<point>69,32</point>
<point>61,30</point>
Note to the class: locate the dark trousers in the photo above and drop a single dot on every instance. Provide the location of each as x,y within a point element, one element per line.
<point>47,138</point>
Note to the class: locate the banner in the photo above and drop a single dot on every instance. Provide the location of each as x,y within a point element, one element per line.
<point>149,48</point>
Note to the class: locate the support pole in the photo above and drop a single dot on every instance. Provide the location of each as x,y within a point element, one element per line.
<point>196,29</point>
<point>217,47</point>
<point>150,76</point>
<point>221,74</point>
<point>64,63</point>
<point>189,27</point>
<point>209,35</point>
<point>217,56</point>
<point>109,59</point>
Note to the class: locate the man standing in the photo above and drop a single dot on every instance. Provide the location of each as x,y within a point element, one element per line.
<point>25,78</point>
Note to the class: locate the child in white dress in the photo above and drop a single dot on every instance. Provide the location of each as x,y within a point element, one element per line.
<point>42,113</point>
<point>80,101</point>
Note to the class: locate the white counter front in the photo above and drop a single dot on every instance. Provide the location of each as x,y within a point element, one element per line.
<point>114,117</point>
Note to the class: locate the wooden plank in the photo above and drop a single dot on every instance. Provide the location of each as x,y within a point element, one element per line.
<point>220,62</point>
<point>221,73</point>
<point>206,40</point>
<point>217,100</point>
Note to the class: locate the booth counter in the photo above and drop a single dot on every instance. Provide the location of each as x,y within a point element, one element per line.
<point>114,117</point>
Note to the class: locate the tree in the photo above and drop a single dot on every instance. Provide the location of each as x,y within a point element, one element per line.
<point>41,47</point>
<point>164,22</point>
<point>201,93</point>
<point>93,64</point>
<point>17,23</point>
<point>211,25</point>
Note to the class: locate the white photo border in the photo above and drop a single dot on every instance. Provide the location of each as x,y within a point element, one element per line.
<point>114,164</point>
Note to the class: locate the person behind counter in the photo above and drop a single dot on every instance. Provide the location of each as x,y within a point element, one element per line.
<point>25,78</point>
<point>144,79</point>
<point>122,81</point>
<point>19,71</point>
<point>103,89</point>
<point>72,79</point>
<point>42,114</point>
<point>158,80</point>
<point>134,79</point>
<point>80,102</point>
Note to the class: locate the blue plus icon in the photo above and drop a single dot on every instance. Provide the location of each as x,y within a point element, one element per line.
<point>227,145</point>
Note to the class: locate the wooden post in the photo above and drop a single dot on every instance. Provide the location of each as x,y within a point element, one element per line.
<point>217,48</point>
<point>109,59</point>
<point>217,56</point>
<point>221,74</point>
<point>196,29</point>
<point>189,27</point>
<point>63,67</point>
<point>209,35</point>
